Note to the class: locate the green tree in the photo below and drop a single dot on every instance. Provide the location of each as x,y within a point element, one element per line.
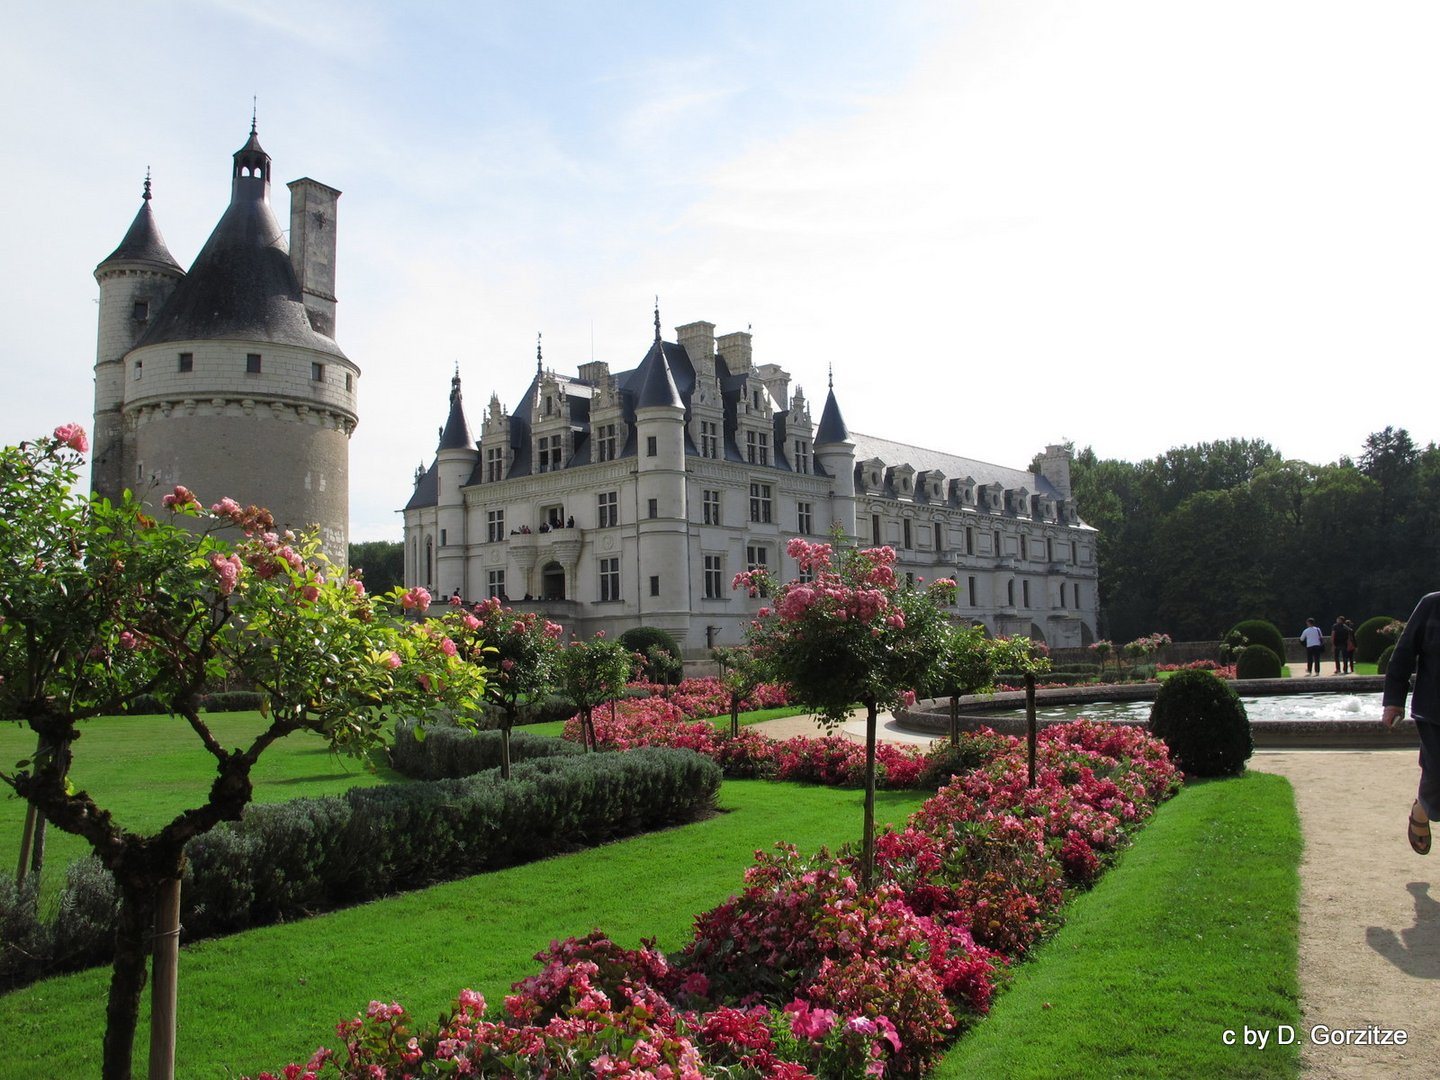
<point>100,603</point>
<point>591,673</point>
<point>851,634</point>
<point>378,563</point>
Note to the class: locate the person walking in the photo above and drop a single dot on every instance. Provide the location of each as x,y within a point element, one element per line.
<point>1350,647</point>
<point>1340,642</point>
<point>1418,651</point>
<point>1314,642</point>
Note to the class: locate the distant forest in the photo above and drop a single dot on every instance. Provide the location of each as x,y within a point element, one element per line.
<point>1203,536</point>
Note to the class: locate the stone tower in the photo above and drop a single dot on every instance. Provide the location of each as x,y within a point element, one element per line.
<point>227,379</point>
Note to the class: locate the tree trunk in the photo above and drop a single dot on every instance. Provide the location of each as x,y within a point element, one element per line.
<point>867,845</point>
<point>127,978</point>
<point>164,987</point>
<point>1030,733</point>
<point>27,836</point>
<point>505,749</point>
<point>954,721</point>
<point>734,715</point>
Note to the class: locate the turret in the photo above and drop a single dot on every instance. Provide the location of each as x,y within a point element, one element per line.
<point>136,279</point>
<point>836,454</point>
<point>455,460</point>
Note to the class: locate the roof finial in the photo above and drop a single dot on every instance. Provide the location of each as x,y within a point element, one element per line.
<point>832,376</point>
<point>539,356</point>
<point>455,384</point>
<point>657,317</point>
<point>254,111</point>
<point>146,196</point>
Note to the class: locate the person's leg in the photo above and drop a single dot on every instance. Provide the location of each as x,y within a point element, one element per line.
<point>1429,793</point>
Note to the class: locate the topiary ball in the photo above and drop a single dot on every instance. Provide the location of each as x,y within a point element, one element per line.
<point>1262,632</point>
<point>1369,642</point>
<point>1202,721</point>
<point>1382,664</point>
<point>1257,662</point>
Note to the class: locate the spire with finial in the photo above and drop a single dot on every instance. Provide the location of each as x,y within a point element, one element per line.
<point>146,195</point>
<point>455,384</point>
<point>254,111</point>
<point>832,376</point>
<point>657,318</point>
<point>539,354</point>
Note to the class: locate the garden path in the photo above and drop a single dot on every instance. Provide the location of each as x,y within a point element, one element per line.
<point>1369,907</point>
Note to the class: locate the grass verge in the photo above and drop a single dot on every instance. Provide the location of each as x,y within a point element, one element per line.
<point>1193,934</point>
<point>259,999</point>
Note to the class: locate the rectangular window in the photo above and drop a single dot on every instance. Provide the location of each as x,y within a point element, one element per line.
<point>907,538</point>
<point>760,503</point>
<point>939,537</point>
<point>711,502</point>
<point>349,382</point>
<point>1076,590</point>
<point>1049,550</point>
<point>605,439</point>
<point>1062,594</point>
<point>758,558</point>
<point>757,448</point>
<point>551,448</point>
<point>970,591</point>
<point>495,584</point>
<point>654,585</point>
<point>139,367</point>
<point>969,540</point>
<point>607,509</point>
<point>141,311</point>
<point>709,439</point>
<point>1073,557</point>
<point>187,361</point>
<point>494,464</point>
<point>652,508</point>
<point>443,534</point>
<point>652,447</point>
<point>317,371</point>
<point>495,525</point>
<point>714,577</point>
<point>252,363</point>
<point>610,579</point>
<point>804,518</point>
<point>875,538</point>
<point>1025,593</point>
<point>802,456</point>
<point>1024,547</point>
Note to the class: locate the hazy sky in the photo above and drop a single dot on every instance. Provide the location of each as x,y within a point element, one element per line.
<point>1134,225</point>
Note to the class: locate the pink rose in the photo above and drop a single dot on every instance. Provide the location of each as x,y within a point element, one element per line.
<point>73,436</point>
<point>391,660</point>
<point>417,598</point>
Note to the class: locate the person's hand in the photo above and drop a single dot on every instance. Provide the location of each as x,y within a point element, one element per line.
<point>1390,715</point>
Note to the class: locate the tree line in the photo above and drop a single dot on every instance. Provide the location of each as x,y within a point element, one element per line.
<point>1200,537</point>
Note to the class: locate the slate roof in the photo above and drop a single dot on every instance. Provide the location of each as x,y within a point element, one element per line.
<point>832,427</point>
<point>143,242</point>
<point>952,466</point>
<point>456,434</point>
<point>242,285</point>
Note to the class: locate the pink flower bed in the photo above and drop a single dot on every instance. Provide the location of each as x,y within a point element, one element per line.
<point>803,974</point>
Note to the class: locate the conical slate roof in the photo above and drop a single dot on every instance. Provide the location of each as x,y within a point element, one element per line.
<point>456,433</point>
<point>242,285</point>
<point>655,385</point>
<point>143,242</point>
<point>832,427</point>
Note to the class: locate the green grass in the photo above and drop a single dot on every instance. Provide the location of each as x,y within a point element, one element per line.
<point>258,999</point>
<point>147,769</point>
<point>1194,933</point>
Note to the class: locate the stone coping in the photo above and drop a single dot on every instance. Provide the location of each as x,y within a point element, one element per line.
<point>932,716</point>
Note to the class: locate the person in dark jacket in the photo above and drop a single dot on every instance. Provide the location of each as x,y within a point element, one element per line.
<point>1340,642</point>
<point>1418,651</point>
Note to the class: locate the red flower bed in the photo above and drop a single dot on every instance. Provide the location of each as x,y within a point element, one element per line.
<point>803,974</point>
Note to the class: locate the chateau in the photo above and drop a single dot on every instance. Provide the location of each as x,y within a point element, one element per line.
<point>227,378</point>
<point>616,499</point>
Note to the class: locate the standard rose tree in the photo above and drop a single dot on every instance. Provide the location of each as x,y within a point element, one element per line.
<point>100,603</point>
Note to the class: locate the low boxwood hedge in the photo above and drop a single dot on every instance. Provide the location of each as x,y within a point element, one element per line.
<point>444,751</point>
<point>287,860</point>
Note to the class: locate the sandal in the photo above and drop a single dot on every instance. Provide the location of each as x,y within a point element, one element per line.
<point>1419,835</point>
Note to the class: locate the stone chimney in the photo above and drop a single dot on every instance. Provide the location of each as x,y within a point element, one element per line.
<point>313,208</point>
<point>698,341</point>
<point>1055,467</point>
<point>737,351</point>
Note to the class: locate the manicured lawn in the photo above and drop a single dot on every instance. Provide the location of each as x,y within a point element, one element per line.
<point>1194,933</point>
<point>260,999</point>
<point>146,769</point>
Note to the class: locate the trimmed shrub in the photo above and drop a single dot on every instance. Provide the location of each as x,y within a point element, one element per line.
<point>660,650</point>
<point>1369,642</point>
<point>234,701</point>
<point>287,860</point>
<point>447,751</point>
<point>147,705</point>
<point>1382,662</point>
<point>1257,662</point>
<point>1261,632</point>
<point>1202,721</point>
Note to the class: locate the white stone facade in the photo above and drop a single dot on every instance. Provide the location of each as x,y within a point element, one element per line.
<point>608,506</point>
